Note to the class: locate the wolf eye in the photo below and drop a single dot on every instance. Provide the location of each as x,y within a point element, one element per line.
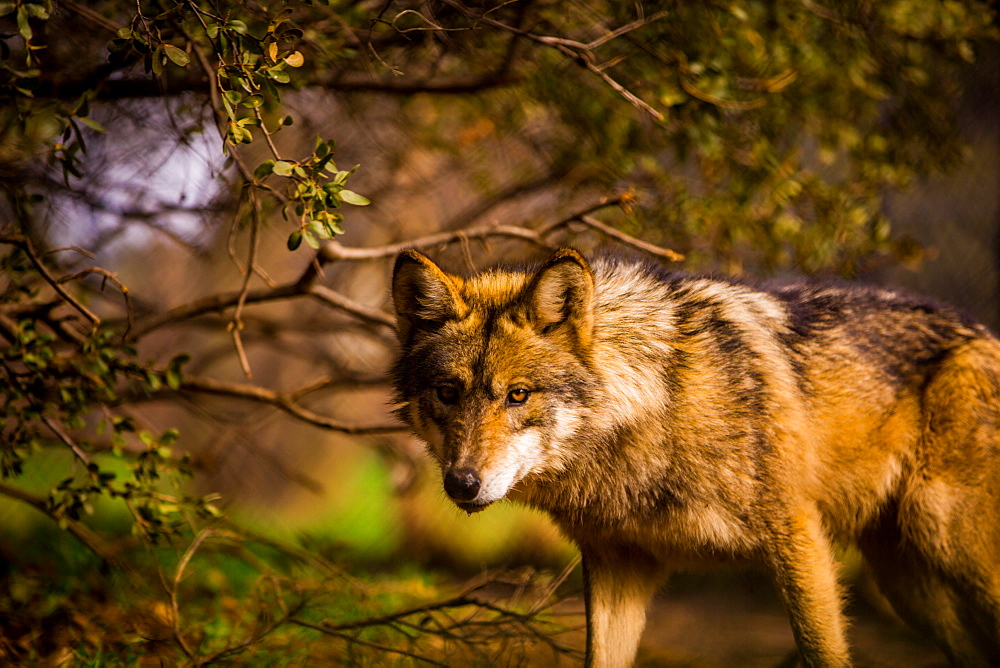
<point>447,394</point>
<point>517,397</point>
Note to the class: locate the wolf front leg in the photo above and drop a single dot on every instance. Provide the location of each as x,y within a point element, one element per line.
<point>618,585</point>
<point>806,573</point>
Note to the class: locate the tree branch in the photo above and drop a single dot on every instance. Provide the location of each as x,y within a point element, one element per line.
<point>212,304</point>
<point>332,251</point>
<point>24,243</point>
<point>285,402</point>
<point>578,52</point>
<point>80,531</point>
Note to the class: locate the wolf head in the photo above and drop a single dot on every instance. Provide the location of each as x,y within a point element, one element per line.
<point>494,369</point>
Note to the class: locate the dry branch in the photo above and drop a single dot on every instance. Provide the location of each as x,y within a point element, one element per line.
<point>464,620</point>
<point>212,304</point>
<point>332,251</point>
<point>285,402</point>
<point>24,243</point>
<point>579,52</point>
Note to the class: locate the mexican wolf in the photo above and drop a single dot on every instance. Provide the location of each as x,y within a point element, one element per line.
<point>664,420</point>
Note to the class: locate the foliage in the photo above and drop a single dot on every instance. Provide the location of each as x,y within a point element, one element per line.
<point>230,597</point>
<point>745,135</point>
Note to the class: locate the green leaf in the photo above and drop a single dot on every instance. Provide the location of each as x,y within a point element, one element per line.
<point>119,46</point>
<point>254,101</point>
<point>352,197</point>
<point>173,379</point>
<point>176,55</point>
<point>264,169</point>
<point>7,7</point>
<point>23,26</point>
<point>92,124</point>
<point>237,26</point>
<point>322,149</point>
<point>283,168</point>
<point>318,229</point>
<point>157,63</point>
<point>294,240</point>
<point>37,12</point>
<point>310,239</point>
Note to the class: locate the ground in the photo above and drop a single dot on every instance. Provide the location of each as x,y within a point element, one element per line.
<point>737,619</point>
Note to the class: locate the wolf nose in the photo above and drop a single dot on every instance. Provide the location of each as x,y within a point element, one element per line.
<point>462,484</point>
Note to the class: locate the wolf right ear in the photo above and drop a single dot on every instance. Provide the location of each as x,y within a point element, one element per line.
<point>424,296</point>
<point>562,296</point>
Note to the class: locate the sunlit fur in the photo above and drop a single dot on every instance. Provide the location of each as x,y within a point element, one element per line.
<point>674,419</point>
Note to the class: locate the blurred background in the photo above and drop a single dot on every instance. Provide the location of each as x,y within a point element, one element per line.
<point>202,202</point>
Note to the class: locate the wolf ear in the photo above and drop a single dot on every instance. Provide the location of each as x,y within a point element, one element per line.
<point>562,296</point>
<point>424,295</point>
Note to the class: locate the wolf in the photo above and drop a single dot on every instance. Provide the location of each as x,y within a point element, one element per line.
<point>663,420</point>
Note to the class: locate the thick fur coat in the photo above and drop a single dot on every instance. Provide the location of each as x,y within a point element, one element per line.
<point>663,419</point>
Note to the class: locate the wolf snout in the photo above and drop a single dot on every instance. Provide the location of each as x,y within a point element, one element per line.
<point>462,484</point>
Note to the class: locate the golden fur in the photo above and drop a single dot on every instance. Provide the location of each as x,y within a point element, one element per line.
<point>663,419</point>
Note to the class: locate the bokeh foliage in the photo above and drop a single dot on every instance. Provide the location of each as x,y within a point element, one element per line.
<point>749,136</point>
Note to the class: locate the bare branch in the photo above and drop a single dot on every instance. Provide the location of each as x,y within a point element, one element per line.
<point>628,239</point>
<point>236,325</point>
<point>366,643</point>
<point>285,402</point>
<point>108,276</point>
<point>67,441</point>
<point>332,251</point>
<point>627,28</point>
<point>24,243</point>
<point>214,303</point>
<point>578,52</point>
<point>466,619</point>
<point>361,311</point>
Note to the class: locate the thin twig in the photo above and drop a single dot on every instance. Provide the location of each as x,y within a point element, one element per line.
<point>57,430</point>
<point>108,276</point>
<point>652,249</point>
<point>24,243</point>
<point>627,28</point>
<point>366,643</point>
<point>179,574</point>
<point>579,52</point>
<point>236,325</point>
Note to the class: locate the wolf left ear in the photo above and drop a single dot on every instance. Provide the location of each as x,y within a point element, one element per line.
<point>562,296</point>
<point>424,296</point>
